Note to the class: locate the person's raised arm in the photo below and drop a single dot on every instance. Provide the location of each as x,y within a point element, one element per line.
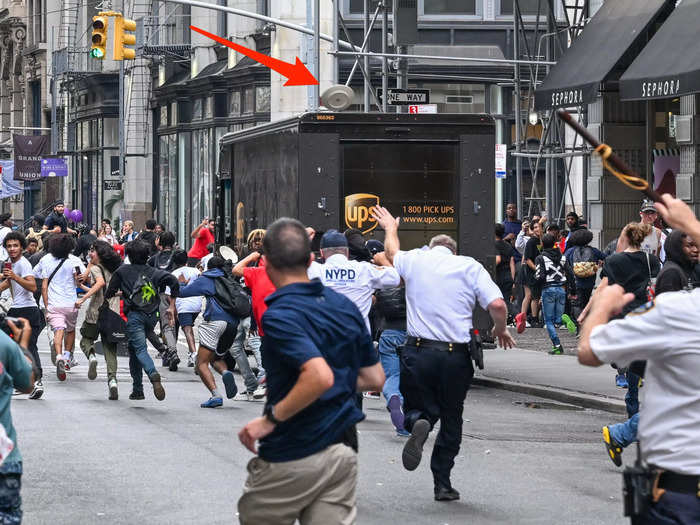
<point>243,263</point>
<point>195,232</point>
<point>391,231</point>
<point>678,215</point>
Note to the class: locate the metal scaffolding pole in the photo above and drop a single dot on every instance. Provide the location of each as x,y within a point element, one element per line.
<point>385,60</point>
<point>518,117</point>
<point>367,30</point>
<point>336,73</point>
<point>315,94</point>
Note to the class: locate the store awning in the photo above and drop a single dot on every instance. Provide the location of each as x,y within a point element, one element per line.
<point>616,27</point>
<point>669,65</point>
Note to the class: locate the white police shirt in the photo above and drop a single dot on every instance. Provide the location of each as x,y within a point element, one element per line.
<point>441,291</point>
<point>354,279</point>
<point>667,334</point>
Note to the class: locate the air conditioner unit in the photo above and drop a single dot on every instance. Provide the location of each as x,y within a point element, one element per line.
<point>684,129</point>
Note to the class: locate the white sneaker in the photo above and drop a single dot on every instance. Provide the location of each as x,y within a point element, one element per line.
<point>92,366</point>
<point>73,363</point>
<point>246,396</point>
<point>190,359</point>
<point>260,392</point>
<point>38,390</point>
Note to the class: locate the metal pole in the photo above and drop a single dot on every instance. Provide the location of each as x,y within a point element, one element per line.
<point>365,19</point>
<point>385,60</point>
<point>54,112</point>
<point>122,135</point>
<point>518,118</point>
<point>365,42</point>
<point>445,58</point>
<point>315,94</point>
<point>336,66</point>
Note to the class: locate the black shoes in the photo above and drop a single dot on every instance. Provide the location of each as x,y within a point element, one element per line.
<point>158,389</point>
<point>136,396</point>
<point>174,360</point>
<point>445,494</point>
<point>413,449</point>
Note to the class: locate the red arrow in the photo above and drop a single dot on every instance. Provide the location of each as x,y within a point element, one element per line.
<point>297,74</point>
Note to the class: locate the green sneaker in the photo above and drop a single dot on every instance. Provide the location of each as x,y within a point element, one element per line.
<point>556,350</point>
<point>569,322</point>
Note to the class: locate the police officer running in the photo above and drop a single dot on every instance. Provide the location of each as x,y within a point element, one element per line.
<point>665,488</point>
<point>436,371</point>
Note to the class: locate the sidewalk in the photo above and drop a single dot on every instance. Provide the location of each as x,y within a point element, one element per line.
<point>559,377</point>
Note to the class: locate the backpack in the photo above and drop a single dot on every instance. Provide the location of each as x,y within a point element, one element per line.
<point>231,296</point>
<point>584,262</point>
<point>144,295</point>
<point>165,265</point>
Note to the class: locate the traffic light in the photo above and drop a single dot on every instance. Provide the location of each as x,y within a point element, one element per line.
<point>122,38</point>
<point>99,36</point>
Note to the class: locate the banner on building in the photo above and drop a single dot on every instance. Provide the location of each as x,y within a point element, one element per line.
<point>667,164</point>
<point>8,187</point>
<point>54,167</point>
<point>28,150</point>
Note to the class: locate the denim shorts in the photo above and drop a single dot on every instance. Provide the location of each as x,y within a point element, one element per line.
<point>10,499</point>
<point>187,318</point>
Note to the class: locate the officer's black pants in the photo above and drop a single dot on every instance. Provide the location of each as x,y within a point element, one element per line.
<point>674,508</point>
<point>434,385</point>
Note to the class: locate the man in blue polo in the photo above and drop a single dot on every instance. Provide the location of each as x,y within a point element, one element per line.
<point>317,354</point>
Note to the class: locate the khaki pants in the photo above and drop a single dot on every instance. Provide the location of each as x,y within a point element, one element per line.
<point>316,490</point>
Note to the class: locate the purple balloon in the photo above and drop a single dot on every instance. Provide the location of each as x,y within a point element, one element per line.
<point>77,215</point>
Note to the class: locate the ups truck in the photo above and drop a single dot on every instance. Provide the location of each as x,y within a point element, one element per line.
<point>329,169</point>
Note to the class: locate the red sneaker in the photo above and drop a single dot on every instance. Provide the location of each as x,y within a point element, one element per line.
<point>520,322</point>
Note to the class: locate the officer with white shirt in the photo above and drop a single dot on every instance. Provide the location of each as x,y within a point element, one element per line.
<point>442,289</point>
<point>669,420</point>
<point>354,279</point>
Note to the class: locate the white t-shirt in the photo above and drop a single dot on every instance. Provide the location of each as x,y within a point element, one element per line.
<point>665,333</point>
<point>22,298</point>
<point>62,287</point>
<point>441,291</point>
<point>354,279</point>
<point>3,252</point>
<point>187,305</point>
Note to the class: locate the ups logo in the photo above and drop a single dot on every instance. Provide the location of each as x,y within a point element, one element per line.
<point>358,211</point>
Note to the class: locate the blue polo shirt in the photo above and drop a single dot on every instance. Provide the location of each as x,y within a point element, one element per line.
<point>304,321</point>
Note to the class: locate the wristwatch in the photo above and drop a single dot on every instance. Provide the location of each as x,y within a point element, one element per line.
<point>269,414</point>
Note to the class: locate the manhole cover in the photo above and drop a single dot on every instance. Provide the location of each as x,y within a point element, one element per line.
<point>546,405</point>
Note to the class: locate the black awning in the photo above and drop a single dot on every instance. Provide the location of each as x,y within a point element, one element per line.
<point>669,65</point>
<point>616,27</point>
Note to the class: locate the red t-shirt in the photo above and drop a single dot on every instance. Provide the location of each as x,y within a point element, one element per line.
<point>260,287</point>
<point>199,248</point>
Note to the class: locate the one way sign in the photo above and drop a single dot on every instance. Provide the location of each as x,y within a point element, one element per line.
<point>406,97</point>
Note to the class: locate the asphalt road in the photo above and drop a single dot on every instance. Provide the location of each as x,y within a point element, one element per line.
<point>89,460</point>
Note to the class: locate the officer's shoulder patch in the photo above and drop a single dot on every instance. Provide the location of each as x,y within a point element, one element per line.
<point>643,308</point>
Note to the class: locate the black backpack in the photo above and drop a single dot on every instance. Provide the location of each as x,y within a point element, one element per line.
<point>231,296</point>
<point>163,263</point>
<point>144,295</point>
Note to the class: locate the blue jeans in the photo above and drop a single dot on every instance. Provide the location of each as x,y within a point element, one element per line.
<point>625,433</point>
<point>388,343</point>
<point>138,324</point>
<point>238,353</point>
<point>553,302</point>
<point>674,508</point>
<point>10,499</point>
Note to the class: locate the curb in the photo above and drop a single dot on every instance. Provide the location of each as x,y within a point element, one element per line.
<point>557,394</point>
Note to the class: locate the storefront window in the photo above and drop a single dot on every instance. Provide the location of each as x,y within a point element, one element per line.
<point>262,99</point>
<point>235,103</point>
<point>167,205</point>
<point>248,100</point>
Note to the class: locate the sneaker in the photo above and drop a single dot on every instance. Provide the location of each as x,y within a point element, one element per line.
<point>395,412</point>
<point>166,359</point>
<point>613,447</point>
<point>92,366</point>
<point>212,402</point>
<point>260,392</point>
<point>136,396</point>
<point>413,449</point>
<point>113,390</point>
<point>556,350</point>
<point>245,396</point>
<point>38,390</point>
<point>158,389</point>
<point>190,359</point>
<point>174,361</point>
<point>621,381</point>
<point>520,321</point>
<point>403,433</point>
<point>61,369</point>
<point>371,395</point>
<point>73,363</point>
<point>229,384</point>
<point>570,324</point>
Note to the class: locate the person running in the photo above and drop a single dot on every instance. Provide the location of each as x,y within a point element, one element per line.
<point>163,260</point>
<point>188,308</point>
<point>61,273</point>
<point>216,333</point>
<point>141,286</point>
<point>20,277</point>
<point>532,293</point>
<point>104,261</point>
